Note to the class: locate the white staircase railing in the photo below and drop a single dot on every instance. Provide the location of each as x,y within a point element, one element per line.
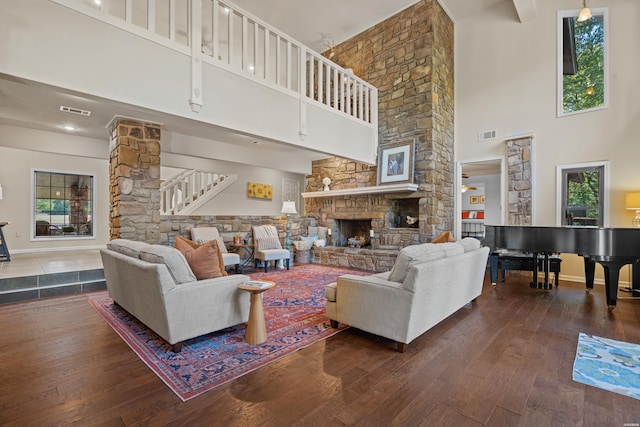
<point>222,34</point>
<point>189,190</point>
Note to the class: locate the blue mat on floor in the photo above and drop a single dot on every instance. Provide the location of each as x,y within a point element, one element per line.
<point>608,364</point>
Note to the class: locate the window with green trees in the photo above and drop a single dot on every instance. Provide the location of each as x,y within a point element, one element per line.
<point>63,205</point>
<point>583,196</point>
<point>583,70</point>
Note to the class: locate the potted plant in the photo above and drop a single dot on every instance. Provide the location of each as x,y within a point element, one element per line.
<point>236,239</point>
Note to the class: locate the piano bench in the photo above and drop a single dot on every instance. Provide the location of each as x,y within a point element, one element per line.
<point>522,262</point>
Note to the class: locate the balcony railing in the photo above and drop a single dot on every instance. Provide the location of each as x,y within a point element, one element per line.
<point>222,34</point>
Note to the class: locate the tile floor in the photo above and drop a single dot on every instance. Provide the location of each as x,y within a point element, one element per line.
<point>38,263</point>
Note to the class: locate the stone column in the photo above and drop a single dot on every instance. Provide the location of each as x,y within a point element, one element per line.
<point>519,180</point>
<point>409,58</point>
<point>134,174</point>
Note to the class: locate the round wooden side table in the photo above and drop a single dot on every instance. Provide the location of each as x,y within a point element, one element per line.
<point>256,326</point>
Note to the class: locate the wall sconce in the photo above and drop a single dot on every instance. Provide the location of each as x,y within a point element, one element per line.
<point>633,204</point>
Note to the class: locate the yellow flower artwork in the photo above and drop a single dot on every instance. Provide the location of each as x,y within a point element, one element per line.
<point>256,190</point>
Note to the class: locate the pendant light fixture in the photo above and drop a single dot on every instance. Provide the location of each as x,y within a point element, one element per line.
<point>585,13</point>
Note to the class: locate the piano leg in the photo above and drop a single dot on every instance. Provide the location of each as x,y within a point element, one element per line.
<point>611,276</point>
<point>589,272</point>
<point>635,279</point>
<point>493,263</point>
<point>545,264</point>
<point>545,267</point>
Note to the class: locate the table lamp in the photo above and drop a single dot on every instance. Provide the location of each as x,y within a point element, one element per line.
<point>633,204</point>
<point>289,208</point>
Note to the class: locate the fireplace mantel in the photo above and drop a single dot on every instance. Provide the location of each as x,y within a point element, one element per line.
<point>391,188</point>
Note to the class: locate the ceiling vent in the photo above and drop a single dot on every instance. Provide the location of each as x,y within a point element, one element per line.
<point>487,135</point>
<point>75,111</point>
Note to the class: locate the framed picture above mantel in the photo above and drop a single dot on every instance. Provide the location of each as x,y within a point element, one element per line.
<point>395,162</point>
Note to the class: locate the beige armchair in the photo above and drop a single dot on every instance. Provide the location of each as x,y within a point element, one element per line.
<point>267,246</point>
<point>204,234</point>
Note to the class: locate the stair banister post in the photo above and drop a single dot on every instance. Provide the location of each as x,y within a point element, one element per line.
<point>196,63</point>
<point>302,92</point>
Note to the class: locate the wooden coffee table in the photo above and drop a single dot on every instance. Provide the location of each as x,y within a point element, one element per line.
<point>256,326</point>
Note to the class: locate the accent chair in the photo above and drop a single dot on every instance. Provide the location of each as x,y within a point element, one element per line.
<point>267,247</point>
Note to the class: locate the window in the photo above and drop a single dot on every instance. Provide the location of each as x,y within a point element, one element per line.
<point>62,205</point>
<point>582,62</point>
<point>583,194</point>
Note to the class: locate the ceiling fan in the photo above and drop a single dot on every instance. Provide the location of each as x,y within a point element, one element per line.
<point>467,187</point>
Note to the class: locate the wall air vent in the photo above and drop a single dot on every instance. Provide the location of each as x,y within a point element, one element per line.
<point>75,111</point>
<point>487,135</point>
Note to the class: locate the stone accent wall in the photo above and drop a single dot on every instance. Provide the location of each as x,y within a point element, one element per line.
<point>519,180</point>
<point>344,173</point>
<point>409,58</point>
<point>134,170</point>
<point>228,226</point>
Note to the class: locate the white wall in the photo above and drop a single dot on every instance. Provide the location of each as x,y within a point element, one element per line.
<point>52,44</point>
<point>15,207</point>
<point>22,149</point>
<point>234,200</point>
<point>506,81</point>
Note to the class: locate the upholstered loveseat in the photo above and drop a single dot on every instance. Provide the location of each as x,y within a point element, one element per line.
<point>427,283</point>
<point>156,285</point>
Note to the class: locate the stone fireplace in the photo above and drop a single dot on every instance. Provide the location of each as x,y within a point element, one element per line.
<point>409,58</point>
<point>345,229</point>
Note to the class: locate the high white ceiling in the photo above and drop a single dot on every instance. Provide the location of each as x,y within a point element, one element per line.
<point>32,105</point>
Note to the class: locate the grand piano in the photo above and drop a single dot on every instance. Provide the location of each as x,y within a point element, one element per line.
<point>610,247</point>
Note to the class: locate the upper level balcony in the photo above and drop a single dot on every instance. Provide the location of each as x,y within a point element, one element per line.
<point>203,60</point>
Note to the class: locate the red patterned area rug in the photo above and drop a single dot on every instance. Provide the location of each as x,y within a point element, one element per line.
<point>295,315</point>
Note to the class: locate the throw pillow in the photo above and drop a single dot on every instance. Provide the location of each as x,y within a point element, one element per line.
<point>322,232</point>
<point>309,238</point>
<point>445,236</point>
<point>205,260</point>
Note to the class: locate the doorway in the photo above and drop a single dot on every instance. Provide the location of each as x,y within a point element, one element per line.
<point>480,193</point>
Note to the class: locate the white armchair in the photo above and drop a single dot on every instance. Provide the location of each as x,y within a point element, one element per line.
<point>267,246</point>
<point>204,234</point>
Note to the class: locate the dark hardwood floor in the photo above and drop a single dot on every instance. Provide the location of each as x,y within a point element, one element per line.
<point>503,361</point>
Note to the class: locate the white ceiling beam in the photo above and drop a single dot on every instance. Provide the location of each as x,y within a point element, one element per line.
<point>526,9</point>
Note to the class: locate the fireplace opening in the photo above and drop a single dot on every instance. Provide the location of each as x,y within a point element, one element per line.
<point>355,229</point>
<point>404,213</point>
